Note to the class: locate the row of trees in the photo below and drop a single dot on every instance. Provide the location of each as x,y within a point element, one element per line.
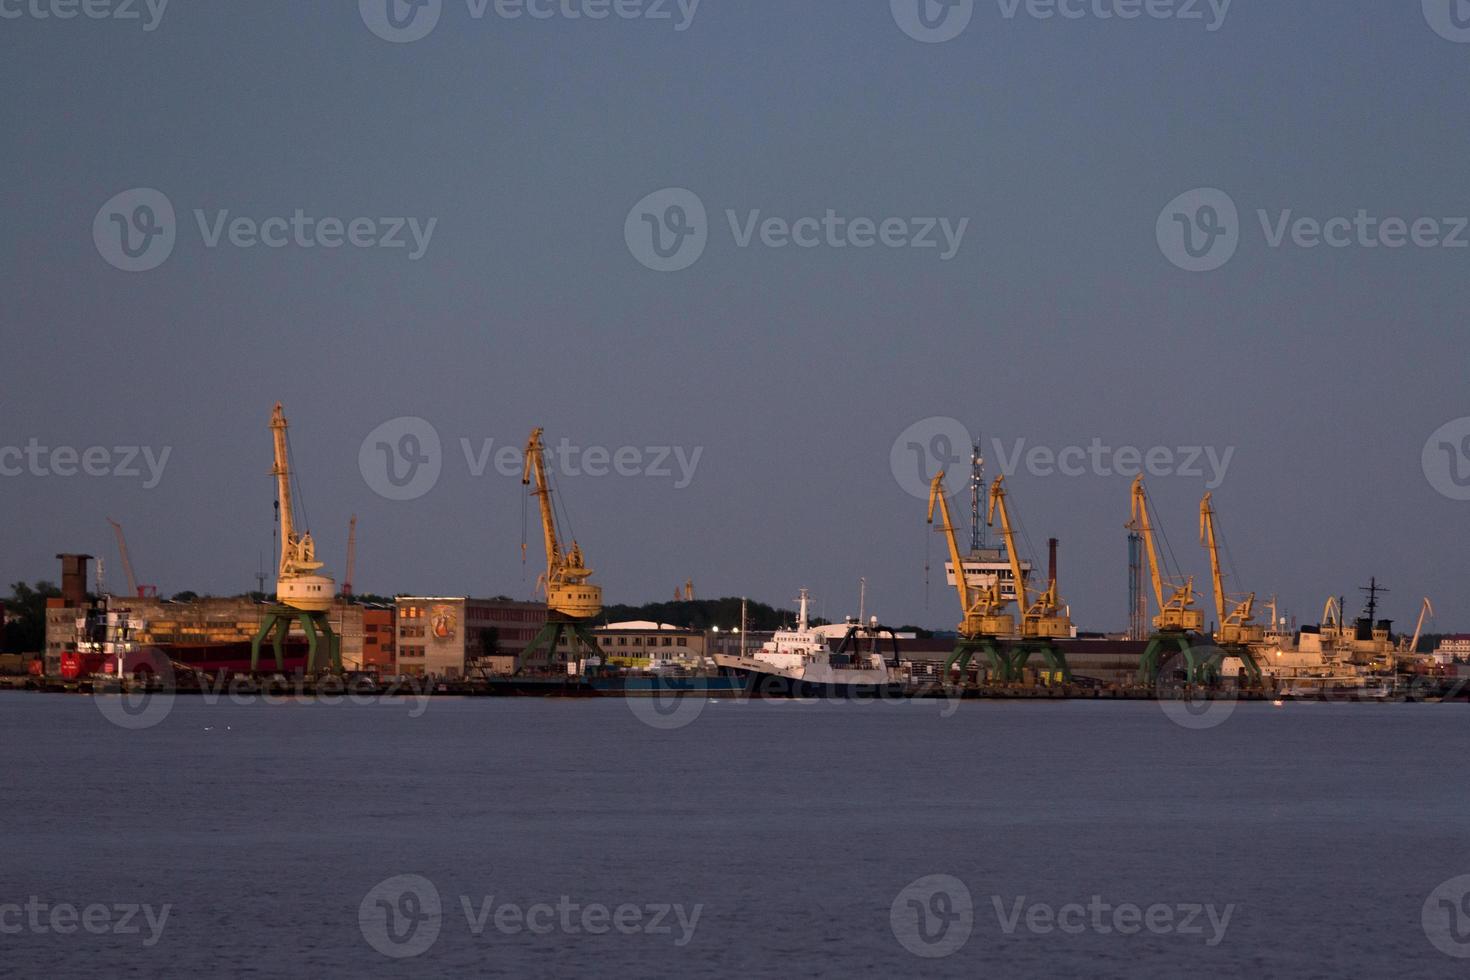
<point>25,617</point>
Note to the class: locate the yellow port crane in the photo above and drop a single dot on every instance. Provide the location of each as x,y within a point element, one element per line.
<point>981,606</point>
<point>1237,627</point>
<point>303,593</point>
<point>1042,620</point>
<point>1177,617</point>
<point>1177,613</point>
<point>571,599</point>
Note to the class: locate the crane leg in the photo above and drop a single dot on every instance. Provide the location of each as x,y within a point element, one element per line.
<point>1148,664</point>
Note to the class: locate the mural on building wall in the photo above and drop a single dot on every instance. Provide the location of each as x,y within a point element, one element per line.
<point>442,623</point>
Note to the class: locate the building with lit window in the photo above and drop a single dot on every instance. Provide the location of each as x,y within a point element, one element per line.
<point>452,636</point>
<point>640,644</point>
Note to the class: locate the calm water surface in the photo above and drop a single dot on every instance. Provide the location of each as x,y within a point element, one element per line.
<point>793,831</point>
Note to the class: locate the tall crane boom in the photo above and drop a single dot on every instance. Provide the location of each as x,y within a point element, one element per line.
<point>981,606</point>
<point>141,591</point>
<point>1176,614</point>
<point>1042,618</point>
<point>1236,623</point>
<point>568,590</point>
<point>299,583</point>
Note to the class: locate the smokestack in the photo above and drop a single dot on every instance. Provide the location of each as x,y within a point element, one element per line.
<point>74,579</point>
<point>1051,568</point>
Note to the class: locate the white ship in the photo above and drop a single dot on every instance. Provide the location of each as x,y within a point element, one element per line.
<point>799,663</point>
<point>1330,659</point>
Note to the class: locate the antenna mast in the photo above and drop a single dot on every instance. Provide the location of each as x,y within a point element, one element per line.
<point>977,495</point>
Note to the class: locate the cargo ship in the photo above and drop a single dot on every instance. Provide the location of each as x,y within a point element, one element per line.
<point>104,643</point>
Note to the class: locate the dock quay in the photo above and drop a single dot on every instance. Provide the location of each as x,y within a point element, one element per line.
<point>329,687</point>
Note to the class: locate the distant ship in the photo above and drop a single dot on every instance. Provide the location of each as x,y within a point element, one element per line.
<point>103,644</point>
<point>798,663</point>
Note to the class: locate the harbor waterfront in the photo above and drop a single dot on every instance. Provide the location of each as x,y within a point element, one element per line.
<point>1317,833</point>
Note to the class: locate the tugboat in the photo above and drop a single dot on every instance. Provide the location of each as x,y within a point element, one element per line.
<point>799,664</point>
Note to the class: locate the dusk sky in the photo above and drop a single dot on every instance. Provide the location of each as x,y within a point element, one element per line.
<point>989,241</point>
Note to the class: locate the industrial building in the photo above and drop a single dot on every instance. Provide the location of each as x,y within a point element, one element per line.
<point>640,644</point>
<point>448,636</point>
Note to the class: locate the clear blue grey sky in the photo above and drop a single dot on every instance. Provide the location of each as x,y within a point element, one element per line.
<point>1060,320</point>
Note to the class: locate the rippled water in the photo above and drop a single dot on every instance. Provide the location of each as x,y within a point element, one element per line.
<point>794,840</point>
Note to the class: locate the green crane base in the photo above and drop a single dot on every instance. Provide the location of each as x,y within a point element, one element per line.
<point>1202,659</point>
<point>1214,656</point>
<point>321,642</point>
<point>549,638</point>
<point>1154,657</point>
<point>965,650</point>
<point>1056,660</point>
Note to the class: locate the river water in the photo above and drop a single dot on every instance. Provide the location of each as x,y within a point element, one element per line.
<point>764,839</point>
